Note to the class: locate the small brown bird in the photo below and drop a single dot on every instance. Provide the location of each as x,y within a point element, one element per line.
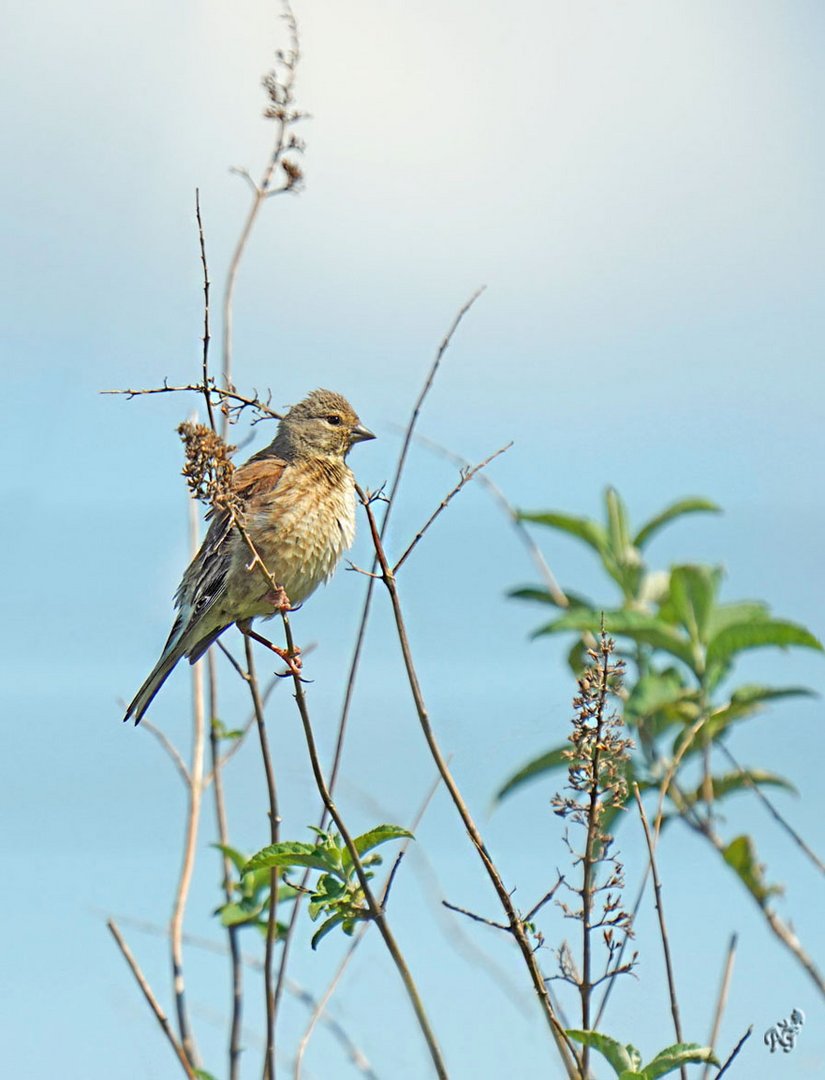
<point>297,500</point>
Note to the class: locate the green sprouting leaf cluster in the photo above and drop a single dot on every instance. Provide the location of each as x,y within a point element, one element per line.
<point>337,897</point>
<point>682,642</point>
<point>250,905</point>
<point>627,1061</point>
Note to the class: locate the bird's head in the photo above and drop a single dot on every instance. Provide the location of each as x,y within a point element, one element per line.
<point>323,424</point>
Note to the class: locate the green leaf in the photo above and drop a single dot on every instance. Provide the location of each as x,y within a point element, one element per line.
<point>618,527</point>
<point>739,611</point>
<point>591,532</point>
<point>740,854</point>
<point>291,853</point>
<point>637,625</point>
<point>670,513</point>
<point>728,783</point>
<point>237,859</point>
<point>619,1056</point>
<point>677,1055</point>
<point>324,929</point>
<point>202,1074</point>
<point>379,835</point>
<point>653,692</point>
<point>753,635</point>
<point>544,596</point>
<point>756,693</point>
<point>223,732</point>
<point>749,699</point>
<point>235,914</point>
<point>544,763</point>
<point>692,594</point>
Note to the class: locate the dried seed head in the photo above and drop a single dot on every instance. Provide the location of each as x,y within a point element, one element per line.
<point>208,468</point>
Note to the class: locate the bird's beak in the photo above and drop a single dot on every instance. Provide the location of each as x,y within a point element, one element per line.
<point>360,434</point>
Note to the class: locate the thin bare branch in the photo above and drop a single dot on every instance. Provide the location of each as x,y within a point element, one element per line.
<point>476,918</point>
<point>519,931</point>
<point>216,775</point>
<point>657,887</point>
<point>534,551</point>
<point>722,999</point>
<point>153,1002</point>
<point>239,670</point>
<point>782,931</point>
<point>170,749</point>
<point>191,834</point>
<point>769,806</point>
<point>243,401</point>
<point>734,1052</point>
<point>536,908</point>
<point>376,912</point>
<point>465,477</point>
<point>280,86</point>
<point>325,998</point>
<point>274,833</point>
<point>205,359</point>
<point>300,993</point>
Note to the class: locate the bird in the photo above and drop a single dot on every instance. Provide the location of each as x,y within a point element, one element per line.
<point>296,504</point>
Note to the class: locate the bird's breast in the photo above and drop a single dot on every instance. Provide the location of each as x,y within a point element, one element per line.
<point>302,528</point>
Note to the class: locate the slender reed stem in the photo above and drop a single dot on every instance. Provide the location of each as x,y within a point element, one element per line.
<point>191,835</point>
<point>722,1000</point>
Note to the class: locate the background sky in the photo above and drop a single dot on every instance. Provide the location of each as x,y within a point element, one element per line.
<point>640,187</point>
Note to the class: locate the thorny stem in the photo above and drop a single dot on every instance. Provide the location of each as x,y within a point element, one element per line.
<point>514,921</point>
<point>206,337</point>
<point>274,832</point>
<point>376,911</point>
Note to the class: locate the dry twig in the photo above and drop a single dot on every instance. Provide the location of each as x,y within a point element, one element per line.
<point>657,887</point>
<point>152,1001</point>
<point>513,918</point>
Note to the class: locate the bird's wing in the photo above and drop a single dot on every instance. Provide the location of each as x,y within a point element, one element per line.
<point>205,578</point>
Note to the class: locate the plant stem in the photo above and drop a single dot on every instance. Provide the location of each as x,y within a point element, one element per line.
<point>515,922</point>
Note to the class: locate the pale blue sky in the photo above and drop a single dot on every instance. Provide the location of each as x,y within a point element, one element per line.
<point>640,188</point>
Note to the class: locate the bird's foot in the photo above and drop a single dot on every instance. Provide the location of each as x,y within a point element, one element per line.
<point>292,659</point>
<point>279,600</point>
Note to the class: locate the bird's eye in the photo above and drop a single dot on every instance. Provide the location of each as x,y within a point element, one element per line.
<point>334,420</point>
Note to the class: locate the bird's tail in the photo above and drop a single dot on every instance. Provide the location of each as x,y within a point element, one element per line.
<point>160,673</point>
